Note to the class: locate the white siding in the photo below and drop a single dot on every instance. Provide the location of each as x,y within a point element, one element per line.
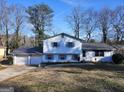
<point>45,60</point>
<point>56,59</point>
<point>61,49</point>
<point>35,60</point>
<point>90,56</point>
<point>47,48</point>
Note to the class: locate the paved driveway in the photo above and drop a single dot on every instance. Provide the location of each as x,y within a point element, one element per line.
<point>12,71</point>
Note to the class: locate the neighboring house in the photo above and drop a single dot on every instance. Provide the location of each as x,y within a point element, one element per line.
<point>63,48</point>
<point>2,50</point>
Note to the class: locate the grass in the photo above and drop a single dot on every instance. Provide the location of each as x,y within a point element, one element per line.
<point>77,78</point>
<point>1,67</point>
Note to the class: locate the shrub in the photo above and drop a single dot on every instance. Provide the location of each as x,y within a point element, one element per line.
<point>117,58</point>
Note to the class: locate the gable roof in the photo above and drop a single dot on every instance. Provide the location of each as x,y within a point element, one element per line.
<point>64,34</point>
<point>96,46</point>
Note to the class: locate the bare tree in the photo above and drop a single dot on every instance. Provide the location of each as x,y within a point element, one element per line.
<point>104,20</point>
<point>89,23</point>
<point>18,22</point>
<point>118,23</point>
<point>1,5</point>
<point>6,21</point>
<point>75,20</point>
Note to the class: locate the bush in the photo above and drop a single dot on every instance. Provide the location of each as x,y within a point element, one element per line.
<point>10,59</point>
<point>117,58</point>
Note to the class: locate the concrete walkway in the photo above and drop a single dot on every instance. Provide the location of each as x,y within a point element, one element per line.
<point>12,71</point>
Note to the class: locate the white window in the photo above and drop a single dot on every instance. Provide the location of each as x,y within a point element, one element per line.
<point>99,53</point>
<point>70,44</point>
<point>75,57</point>
<point>62,57</point>
<point>49,57</point>
<point>55,44</point>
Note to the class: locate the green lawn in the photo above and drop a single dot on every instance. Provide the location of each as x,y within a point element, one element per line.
<point>75,78</point>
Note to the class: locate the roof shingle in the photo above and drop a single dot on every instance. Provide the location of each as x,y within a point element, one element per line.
<point>96,46</point>
<point>27,50</point>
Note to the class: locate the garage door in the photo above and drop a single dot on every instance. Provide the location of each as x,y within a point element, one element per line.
<point>20,60</point>
<point>35,60</point>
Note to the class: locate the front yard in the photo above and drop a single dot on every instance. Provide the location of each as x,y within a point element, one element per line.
<point>1,67</point>
<point>70,78</point>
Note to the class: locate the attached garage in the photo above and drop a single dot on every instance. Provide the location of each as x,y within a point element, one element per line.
<point>27,56</point>
<point>20,60</point>
<point>35,60</point>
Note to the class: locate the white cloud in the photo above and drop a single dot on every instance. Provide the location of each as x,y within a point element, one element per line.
<point>93,3</point>
<point>82,3</point>
<point>72,2</point>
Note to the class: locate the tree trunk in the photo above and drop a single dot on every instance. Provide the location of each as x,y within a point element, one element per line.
<point>104,35</point>
<point>77,30</point>
<point>88,37</point>
<point>17,37</point>
<point>117,38</point>
<point>105,38</point>
<point>7,38</point>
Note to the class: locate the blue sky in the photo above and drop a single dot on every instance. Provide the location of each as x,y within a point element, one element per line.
<point>62,8</point>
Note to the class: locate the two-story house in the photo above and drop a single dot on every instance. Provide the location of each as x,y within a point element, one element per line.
<point>63,48</point>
